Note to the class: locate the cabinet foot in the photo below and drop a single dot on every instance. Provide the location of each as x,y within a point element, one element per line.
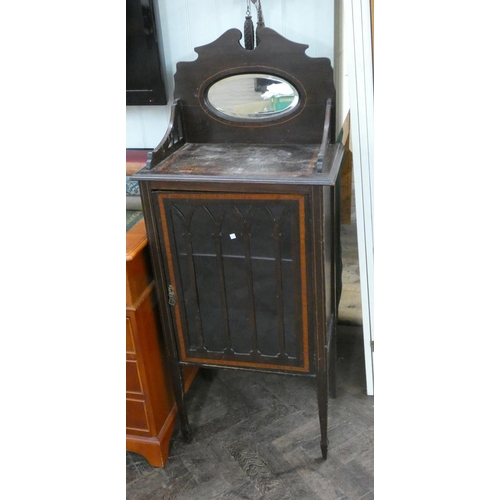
<point>186,432</point>
<point>324,450</point>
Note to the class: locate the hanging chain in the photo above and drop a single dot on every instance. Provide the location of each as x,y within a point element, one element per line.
<point>248,30</point>
<point>260,19</point>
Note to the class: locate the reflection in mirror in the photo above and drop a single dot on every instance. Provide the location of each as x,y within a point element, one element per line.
<point>253,96</point>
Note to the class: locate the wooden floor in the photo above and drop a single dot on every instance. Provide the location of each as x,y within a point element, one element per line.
<point>256,436</point>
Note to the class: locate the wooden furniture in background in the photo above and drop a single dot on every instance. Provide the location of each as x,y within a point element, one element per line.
<point>150,405</point>
<point>135,160</point>
<point>346,174</point>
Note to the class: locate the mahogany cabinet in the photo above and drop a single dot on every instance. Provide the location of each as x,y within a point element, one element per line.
<point>150,405</point>
<point>242,205</point>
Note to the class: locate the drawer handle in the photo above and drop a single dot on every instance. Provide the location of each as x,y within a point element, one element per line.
<point>172,297</point>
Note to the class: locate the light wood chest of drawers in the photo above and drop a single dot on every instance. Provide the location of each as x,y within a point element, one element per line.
<point>150,405</point>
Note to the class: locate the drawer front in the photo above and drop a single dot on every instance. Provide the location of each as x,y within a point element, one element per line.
<point>237,277</point>
<point>130,346</point>
<point>137,419</point>
<point>134,385</point>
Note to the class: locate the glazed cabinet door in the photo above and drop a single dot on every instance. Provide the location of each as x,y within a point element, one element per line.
<point>236,266</point>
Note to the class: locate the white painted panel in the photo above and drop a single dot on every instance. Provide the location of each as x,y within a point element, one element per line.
<point>361,101</point>
<point>341,74</point>
<point>135,137</point>
<point>155,122</point>
<point>146,125</point>
<point>323,35</point>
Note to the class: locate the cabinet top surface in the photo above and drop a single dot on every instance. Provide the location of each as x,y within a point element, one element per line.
<point>286,163</point>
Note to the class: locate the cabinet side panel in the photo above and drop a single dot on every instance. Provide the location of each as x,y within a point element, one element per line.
<point>327,230</point>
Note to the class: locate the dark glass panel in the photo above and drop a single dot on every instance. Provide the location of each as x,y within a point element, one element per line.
<point>236,294</point>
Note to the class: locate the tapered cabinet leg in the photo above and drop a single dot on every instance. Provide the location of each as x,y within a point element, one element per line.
<point>178,387</point>
<point>323,411</point>
<point>332,362</point>
<point>186,432</point>
<point>324,449</point>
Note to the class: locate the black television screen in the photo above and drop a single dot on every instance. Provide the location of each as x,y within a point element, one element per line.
<point>145,83</point>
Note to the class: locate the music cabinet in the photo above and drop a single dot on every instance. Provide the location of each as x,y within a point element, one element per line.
<point>241,203</point>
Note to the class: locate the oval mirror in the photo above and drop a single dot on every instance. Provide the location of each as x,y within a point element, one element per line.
<point>253,96</point>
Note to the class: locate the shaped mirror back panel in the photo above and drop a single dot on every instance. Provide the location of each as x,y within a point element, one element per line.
<point>273,94</point>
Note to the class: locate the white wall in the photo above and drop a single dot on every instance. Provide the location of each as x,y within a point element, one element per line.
<point>186,24</point>
<point>340,74</point>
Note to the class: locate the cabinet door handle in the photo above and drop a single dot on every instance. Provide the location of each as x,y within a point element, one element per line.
<point>172,297</point>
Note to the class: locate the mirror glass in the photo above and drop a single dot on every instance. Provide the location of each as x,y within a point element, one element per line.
<point>253,96</point>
